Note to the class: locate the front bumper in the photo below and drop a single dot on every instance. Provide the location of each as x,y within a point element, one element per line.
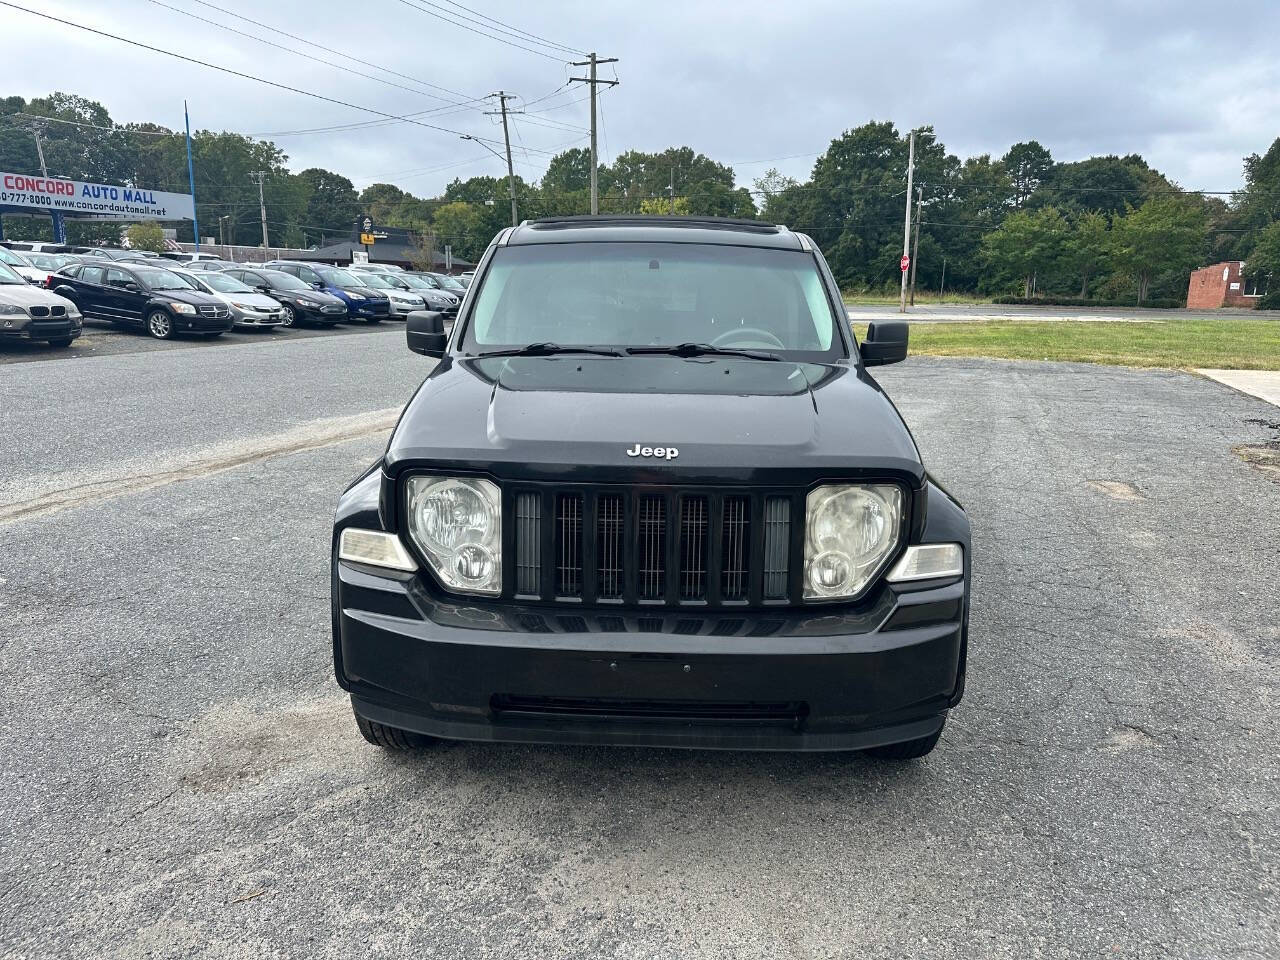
<point>780,679</point>
<point>402,310</point>
<point>257,318</point>
<point>202,323</point>
<point>370,310</point>
<point>27,328</point>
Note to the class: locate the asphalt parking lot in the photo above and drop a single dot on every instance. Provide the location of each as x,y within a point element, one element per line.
<point>101,339</point>
<point>181,776</point>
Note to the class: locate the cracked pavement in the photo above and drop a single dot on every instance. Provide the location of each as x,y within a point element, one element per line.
<point>181,776</point>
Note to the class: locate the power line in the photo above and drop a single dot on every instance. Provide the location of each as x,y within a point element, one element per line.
<point>319,46</point>
<point>531,36</point>
<point>483,33</point>
<point>299,53</point>
<point>229,70</point>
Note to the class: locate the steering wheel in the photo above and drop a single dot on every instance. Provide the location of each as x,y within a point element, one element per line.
<point>739,332</point>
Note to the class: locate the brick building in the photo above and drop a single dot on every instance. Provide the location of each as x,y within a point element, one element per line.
<point>1222,285</point>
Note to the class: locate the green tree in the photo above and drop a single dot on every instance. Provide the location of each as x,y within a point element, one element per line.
<point>147,235</point>
<point>1263,264</point>
<point>1025,244</point>
<point>655,207</point>
<point>1027,164</point>
<point>464,227</point>
<point>1086,247</point>
<point>568,172</point>
<point>1168,233</point>
<point>1106,184</point>
<point>331,204</point>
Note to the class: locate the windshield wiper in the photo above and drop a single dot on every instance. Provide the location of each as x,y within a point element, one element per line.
<point>548,349</point>
<point>702,350</point>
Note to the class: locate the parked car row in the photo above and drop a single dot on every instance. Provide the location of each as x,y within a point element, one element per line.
<point>207,295</point>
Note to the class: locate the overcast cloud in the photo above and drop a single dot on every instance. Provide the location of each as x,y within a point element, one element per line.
<point>1192,87</point>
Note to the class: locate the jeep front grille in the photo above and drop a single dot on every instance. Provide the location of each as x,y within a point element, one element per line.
<point>653,546</point>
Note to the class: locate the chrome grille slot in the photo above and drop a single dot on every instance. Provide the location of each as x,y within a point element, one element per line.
<point>777,547</point>
<point>528,544</point>
<point>569,545</point>
<point>652,540</point>
<point>693,548</point>
<point>609,536</point>
<point>734,548</point>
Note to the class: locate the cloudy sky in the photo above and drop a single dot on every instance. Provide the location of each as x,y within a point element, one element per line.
<point>750,83</point>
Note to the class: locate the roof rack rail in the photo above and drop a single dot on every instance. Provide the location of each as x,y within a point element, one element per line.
<point>613,219</point>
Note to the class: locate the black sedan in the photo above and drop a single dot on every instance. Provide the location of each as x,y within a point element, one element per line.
<point>302,304</point>
<point>157,300</point>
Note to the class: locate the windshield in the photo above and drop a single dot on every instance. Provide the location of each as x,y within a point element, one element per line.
<point>11,258</point>
<point>189,281</point>
<point>416,283</point>
<point>340,278</point>
<point>7,275</point>
<point>449,283</point>
<point>165,280</point>
<point>224,284</point>
<point>429,280</point>
<point>50,261</point>
<point>373,280</point>
<point>654,294</point>
<point>285,281</point>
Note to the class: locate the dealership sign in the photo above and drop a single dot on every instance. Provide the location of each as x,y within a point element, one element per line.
<point>97,200</point>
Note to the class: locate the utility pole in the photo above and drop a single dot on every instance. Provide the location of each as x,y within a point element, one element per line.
<point>906,229</point>
<point>593,61</point>
<point>915,244</point>
<point>672,189</point>
<point>259,178</point>
<point>191,180</point>
<point>59,226</point>
<point>503,97</point>
<point>943,284</point>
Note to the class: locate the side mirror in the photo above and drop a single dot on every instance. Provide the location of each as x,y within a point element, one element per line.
<point>131,286</point>
<point>424,333</point>
<point>262,288</point>
<point>317,285</point>
<point>886,342</point>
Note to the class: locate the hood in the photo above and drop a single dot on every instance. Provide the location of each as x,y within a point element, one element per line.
<point>260,300</point>
<point>193,297</point>
<point>26,295</point>
<point>729,419</point>
<point>369,293</point>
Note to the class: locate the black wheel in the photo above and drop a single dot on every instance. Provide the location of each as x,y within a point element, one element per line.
<point>390,738</point>
<point>290,318</point>
<point>906,750</point>
<point>60,342</point>
<point>160,325</point>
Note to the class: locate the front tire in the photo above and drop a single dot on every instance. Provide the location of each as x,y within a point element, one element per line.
<point>907,749</point>
<point>290,318</point>
<point>390,738</point>
<point>160,325</point>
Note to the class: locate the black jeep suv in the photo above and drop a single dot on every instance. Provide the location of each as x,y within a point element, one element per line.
<point>153,298</point>
<point>651,494</point>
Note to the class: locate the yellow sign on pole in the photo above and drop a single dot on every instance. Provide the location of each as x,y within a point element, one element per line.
<point>366,238</point>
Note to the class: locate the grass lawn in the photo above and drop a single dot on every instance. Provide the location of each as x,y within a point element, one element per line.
<point>923,297</point>
<point>1243,343</point>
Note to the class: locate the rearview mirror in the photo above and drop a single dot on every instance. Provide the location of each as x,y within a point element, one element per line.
<point>424,333</point>
<point>886,342</point>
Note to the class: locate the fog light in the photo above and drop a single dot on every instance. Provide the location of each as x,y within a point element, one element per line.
<point>928,561</point>
<point>473,563</point>
<point>375,548</point>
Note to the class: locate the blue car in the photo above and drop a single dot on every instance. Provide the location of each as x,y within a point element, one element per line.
<point>363,303</point>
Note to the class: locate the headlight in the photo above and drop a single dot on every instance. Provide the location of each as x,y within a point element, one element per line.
<point>11,310</point>
<point>356,296</point>
<point>851,530</point>
<point>304,302</point>
<point>457,524</point>
<point>181,307</point>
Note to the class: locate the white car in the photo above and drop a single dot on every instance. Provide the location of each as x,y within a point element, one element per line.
<point>403,301</point>
<point>30,313</point>
<point>248,307</point>
<point>22,266</point>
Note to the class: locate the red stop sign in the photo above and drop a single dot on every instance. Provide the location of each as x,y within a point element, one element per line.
<point>904,263</point>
